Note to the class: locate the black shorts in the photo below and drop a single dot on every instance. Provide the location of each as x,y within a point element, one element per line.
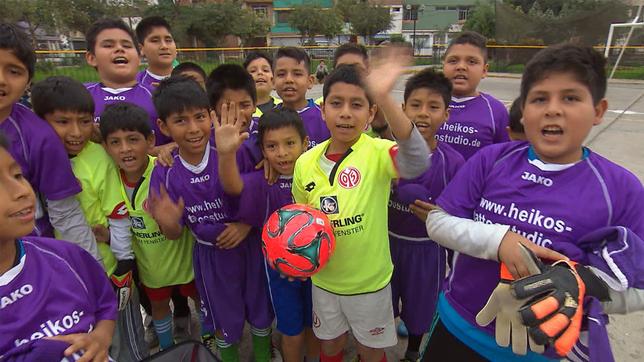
<point>444,346</point>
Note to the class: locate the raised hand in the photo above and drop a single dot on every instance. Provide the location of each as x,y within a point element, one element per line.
<point>386,67</point>
<point>164,210</point>
<point>228,126</point>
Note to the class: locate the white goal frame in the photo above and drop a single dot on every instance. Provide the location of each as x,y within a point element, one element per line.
<point>637,22</point>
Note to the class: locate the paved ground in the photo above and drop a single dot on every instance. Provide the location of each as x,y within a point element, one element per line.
<point>619,138</point>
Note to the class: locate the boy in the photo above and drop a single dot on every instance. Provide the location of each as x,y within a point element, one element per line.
<point>158,47</point>
<point>476,119</point>
<point>562,95</point>
<point>348,177</point>
<point>68,107</point>
<point>162,264</point>
<point>282,139</point>
<point>259,65</point>
<point>515,128</point>
<point>35,147</point>
<point>43,294</point>
<point>192,70</point>
<point>227,270</point>
<point>112,51</point>
<point>292,79</point>
<point>416,262</point>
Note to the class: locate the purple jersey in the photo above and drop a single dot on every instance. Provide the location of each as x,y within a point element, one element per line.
<point>56,289</point>
<point>206,207</point>
<point>42,157</point>
<point>474,122</point>
<point>259,199</point>
<point>445,161</point>
<point>314,125</point>
<point>149,80</point>
<point>551,205</point>
<point>138,94</point>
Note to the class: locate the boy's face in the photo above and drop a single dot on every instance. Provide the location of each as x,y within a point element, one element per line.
<point>262,75</point>
<point>190,129</point>
<point>281,147</point>
<point>17,200</point>
<point>353,59</point>
<point>114,57</point>
<point>129,150</point>
<point>347,112</point>
<point>159,47</point>
<point>557,116</point>
<point>14,78</point>
<point>427,109</point>
<point>73,128</point>
<point>464,66</point>
<point>243,102</point>
<point>292,80</point>
<point>196,76</point>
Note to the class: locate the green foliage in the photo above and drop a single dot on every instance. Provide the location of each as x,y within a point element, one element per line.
<point>311,20</point>
<point>365,19</point>
<point>482,20</point>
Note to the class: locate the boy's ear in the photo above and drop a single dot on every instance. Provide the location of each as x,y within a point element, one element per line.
<point>373,109</point>
<point>311,81</point>
<point>600,110</point>
<point>163,127</point>
<point>486,67</point>
<point>90,58</point>
<point>305,142</point>
<point>151,139</point>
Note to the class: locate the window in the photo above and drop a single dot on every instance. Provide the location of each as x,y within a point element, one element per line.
<point>261,11</point>
<point>395,10</point>
<point>282,16</point>
<point>463,13</point>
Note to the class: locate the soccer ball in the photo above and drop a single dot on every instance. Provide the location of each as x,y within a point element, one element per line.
<point>297,240</point>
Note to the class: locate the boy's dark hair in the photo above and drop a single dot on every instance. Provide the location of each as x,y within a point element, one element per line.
<point>229,76</point>
<point>279,118</point>
<point>104,24</point>
<point>145,26</point>
<point>59,93</point>
<point>472,38</point>
<point>124,116</point>
<point>350,48</point>
<point>15,40</point>
<point>345,73</point>
<point>515,116</point>
<point>177,94</point>
<point>432,80</point>
<point>188,66</point>
<point>299,54</point>
<point>586,64</point>
<point>257,55</point>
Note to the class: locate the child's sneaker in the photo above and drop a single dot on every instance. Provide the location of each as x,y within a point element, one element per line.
<point>276,355</point>
<point>402,329</point>
<point>151,337</point>
<point>182,329</point>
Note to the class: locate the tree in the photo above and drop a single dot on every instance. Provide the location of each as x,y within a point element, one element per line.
<point>368,20</point>
<point>482,20</point>
<point>36,15</point>
<point>311,20</point>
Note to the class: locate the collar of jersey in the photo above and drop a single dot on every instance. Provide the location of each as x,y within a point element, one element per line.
<point>309,103</point>
<point>535,161</point>
<point>157,77</point>
<point>116,90</point>
<point>197,169</point>
<point>462,99</point>
<point>11,274</point>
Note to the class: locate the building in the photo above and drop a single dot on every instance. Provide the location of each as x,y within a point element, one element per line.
<point>282,34</point>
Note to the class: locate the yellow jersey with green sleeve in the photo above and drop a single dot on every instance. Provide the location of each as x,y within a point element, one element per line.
<point>353,193</point>
<point>258,112</point>
<point>161,262</point>
<point>100,198</point>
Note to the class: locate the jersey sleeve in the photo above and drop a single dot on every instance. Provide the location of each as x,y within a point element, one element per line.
<point>463,193</point>
<point>501,120</point>
<point>253,201</point>
<point>299,195</point>
<point>52,172</point>
<point>629,205</point>
<point>158,178</point>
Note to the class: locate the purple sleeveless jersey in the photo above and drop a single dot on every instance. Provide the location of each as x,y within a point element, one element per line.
<point>56,289</point>
<point>474,123</point>
<point>44,162</point>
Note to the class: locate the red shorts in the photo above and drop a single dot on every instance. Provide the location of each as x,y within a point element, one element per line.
<point>157,294</point>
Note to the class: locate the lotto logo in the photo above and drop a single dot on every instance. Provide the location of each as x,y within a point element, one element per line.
<point>329,204</point>
<point>137,222</point>
<point>377,331</point>
<point>119,212</point>
<point>316,321</point>
<point>349,177</point>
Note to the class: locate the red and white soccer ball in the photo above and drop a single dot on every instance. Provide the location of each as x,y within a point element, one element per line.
<point>297,240</point>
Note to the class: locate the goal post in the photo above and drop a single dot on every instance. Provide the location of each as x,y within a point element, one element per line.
<point>637,22</point>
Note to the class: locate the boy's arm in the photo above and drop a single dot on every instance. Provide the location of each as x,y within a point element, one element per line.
<point>67,217</point>
<point>121,238</point>
<point>228,140</point>
<point>164,210</point>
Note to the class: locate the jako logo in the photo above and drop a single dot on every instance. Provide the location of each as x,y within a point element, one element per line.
<point>536,179</point>
<point>349,177</point>
<point>114,98</point>
<point>195,180</point>
<point>19,293</point>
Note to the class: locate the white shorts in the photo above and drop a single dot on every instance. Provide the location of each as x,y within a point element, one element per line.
<point>370,317</point>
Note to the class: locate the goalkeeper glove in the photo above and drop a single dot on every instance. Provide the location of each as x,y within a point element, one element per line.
<point>122,280</point>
